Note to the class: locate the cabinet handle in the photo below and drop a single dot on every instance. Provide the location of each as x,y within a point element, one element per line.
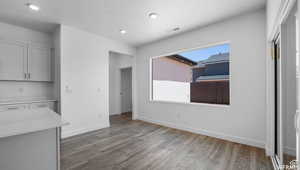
<point>25,75</point>
<point>43,105</point>
<point>28,75</point>
<point>12,108</point>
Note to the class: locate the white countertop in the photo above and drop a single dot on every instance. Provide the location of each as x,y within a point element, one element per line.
<point>17,122</point>
<point>25,100</point>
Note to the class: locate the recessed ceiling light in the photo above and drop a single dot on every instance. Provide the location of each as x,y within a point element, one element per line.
<point>33,7</point>
<point>153,15</point>
<point>123,31</point>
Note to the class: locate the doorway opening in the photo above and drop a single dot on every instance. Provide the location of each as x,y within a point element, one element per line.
<point>126,92</point>
<point>120,85</point>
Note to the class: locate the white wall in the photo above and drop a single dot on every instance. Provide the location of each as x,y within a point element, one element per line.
<point>12,90</point>
<point>244,120</point>
<point>116,62</point>
<point>273,7</point>
<point>23,34</point>
<point>16,90</point>
<point>174,91</point>
<point>85,79</point>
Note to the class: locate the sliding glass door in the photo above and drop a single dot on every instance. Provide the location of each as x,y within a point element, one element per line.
<point>278,102</point>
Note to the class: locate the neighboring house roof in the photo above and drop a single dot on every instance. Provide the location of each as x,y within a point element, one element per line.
<point>214,59</point>
<point>214,77</point>
<point>217,58</point>
<point>182,59</point>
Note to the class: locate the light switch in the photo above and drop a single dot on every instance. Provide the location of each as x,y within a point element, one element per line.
<point>68,89</point>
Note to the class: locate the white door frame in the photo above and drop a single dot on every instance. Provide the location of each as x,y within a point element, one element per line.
<point>285,8</point>
<point>134,83</point>
<point>280,91</point>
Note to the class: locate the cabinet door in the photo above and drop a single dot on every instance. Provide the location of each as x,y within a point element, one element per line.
<point>39,63</point>
<point>13,60</point>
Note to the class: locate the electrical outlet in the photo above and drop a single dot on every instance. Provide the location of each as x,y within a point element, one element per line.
<point>21,90</point>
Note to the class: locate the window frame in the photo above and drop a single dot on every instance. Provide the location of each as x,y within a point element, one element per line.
<point>150,98</point>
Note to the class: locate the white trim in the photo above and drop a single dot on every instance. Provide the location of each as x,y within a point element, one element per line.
<point>193,48</point>
<point>190,103</point>
<point>58,148</point>
<point>150,79</point>
<point>284,10</point>
<point>214,134</point>
<point>111,114</point>
<point>270,105</point>
<point>281,93</point>
<point>133,84</point>
<point>74,132</point>
<point>289,151</point>
<point>134,90</point>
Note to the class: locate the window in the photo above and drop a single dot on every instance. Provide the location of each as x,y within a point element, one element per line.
<point>195,76</point>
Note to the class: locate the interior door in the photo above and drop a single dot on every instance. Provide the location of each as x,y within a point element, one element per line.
<point>39,63</point>
<point>278,102</point>
<point>126,90</point>
<point>13,60</point>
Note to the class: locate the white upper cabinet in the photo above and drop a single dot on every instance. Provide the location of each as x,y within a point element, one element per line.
<point>39,63</point>
<point>13,60</point>
<point>25,62</point>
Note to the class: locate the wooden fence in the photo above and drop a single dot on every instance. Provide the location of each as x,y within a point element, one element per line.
<point>214,92</point>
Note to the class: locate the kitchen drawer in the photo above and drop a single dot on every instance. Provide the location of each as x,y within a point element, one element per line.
<point>50,105</point>
<point>13,107</point>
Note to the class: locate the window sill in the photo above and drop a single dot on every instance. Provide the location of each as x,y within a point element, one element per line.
<point>195,104</point>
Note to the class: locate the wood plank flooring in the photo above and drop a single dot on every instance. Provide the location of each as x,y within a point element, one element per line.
<point>137,145</point>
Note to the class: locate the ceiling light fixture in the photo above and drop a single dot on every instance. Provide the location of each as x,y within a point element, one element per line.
<point>123,31</point>
<point>153,15</point>
<point>33,7</point>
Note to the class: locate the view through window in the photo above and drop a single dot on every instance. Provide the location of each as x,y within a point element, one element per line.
<point>195,76</point>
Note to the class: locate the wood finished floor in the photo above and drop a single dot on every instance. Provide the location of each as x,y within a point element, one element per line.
<point>137,145</point>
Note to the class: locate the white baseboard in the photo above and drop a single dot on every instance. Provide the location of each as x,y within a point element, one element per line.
<point>66,134</point>
<point>290,151</point>
<point>111,114</point>
<point>231,138</point>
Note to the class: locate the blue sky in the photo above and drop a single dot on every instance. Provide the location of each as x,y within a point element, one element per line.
<point>204,53</point>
